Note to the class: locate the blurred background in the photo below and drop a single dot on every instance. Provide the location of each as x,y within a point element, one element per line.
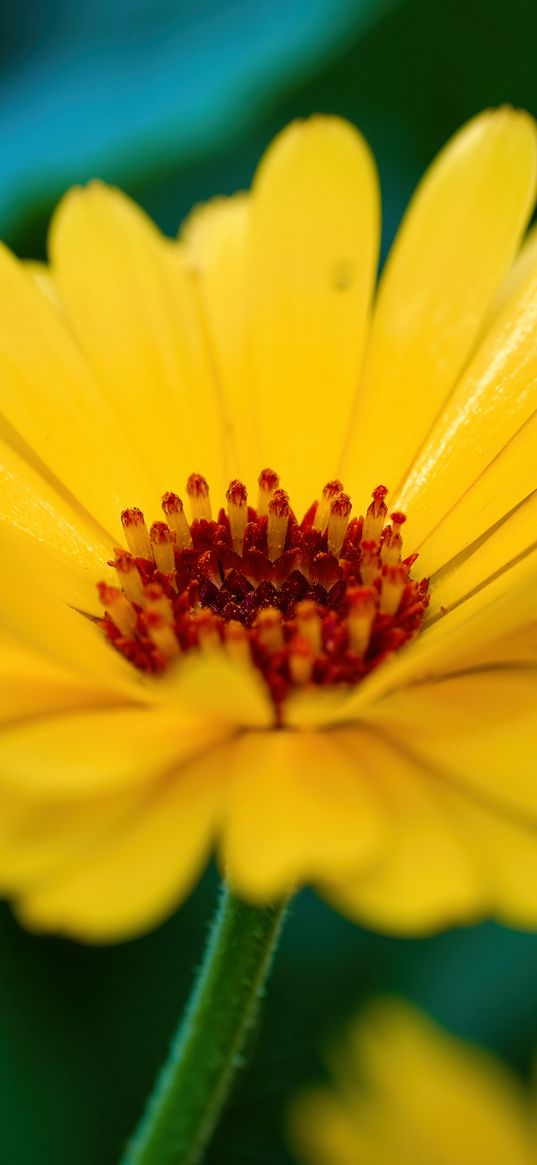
<point>175,101</point>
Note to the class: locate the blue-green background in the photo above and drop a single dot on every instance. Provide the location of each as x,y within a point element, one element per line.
<point>175,102</point>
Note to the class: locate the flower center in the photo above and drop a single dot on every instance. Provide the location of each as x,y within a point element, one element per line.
<point>320,601</point>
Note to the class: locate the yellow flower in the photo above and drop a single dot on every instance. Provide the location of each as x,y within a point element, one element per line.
<point>302,733</point>
<point>407,1092</point>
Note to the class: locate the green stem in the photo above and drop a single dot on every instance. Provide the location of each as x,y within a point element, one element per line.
<point>194,1084</point>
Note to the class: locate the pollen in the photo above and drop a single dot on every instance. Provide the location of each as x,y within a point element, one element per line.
<point>311,602</point>
<point>268,481</point>
<point>173,508</point>
<point>198,492</point>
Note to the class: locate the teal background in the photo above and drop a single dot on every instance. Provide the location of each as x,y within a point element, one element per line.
<point>175,103</point>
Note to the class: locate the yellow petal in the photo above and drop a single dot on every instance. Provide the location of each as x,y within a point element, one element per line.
<point>131,876</point>
<point>210,686</point>
<point>51,399</point>
<point>214,238</point>
<point>297,810</point>
<point>480,729</point>
<point>96,750</point>
<point>31,686</point>
<point>39,836</point>
<point>502,491</point>
<point>312,256</point>
<point>463,1105</point>
<point>492,402</point>
<point>55,529</point>
<point>470,741</point>
<point>43,279</point>
<point>513,538</point>
<point>423,879</point>
<point>507,853</point>
<point>457,242</point>
<point>323,1131</point>
<point>461,1097</point>
<point>524,266</point>
<point>131,306</point>
<point>32,612</point>
<point>478,631</point>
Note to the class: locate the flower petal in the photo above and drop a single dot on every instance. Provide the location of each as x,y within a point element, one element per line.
<point>524,266</point>
<point>324,1131</point>
<point>82,753</point>
<point>55,529</point>
<point>470,741</point>
<point>215,243</point>
<point>297,811</point>
<point>31,686</point>
<point>33,613</point>
<point>507,855</point>
<point>484,1115</point>
<point>510,540</point>
<point>128,874</point>
<point>414,890</point>
<point>480,432</point>
<point>479,631</point>
<point>312,260</point>
<point>42,277</point>
<point>39,836</point>
<point>210,686</point>
<point>457,241</point>
<point>488,516</point>
<point>480,729</point>
<point>423,877</point>
<point>51,399</point>
<point>132,308</point>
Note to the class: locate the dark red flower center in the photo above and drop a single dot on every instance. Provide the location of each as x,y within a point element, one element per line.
<point>313,602</point>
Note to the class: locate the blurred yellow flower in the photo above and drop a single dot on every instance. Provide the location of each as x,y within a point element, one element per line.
<point>405,1091</point>
<point>335,718</point>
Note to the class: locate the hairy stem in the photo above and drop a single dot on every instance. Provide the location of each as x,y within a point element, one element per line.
<point>194,1084</point>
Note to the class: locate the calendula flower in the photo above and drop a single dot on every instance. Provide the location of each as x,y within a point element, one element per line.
<point>261,666</point>
<point>405,1090</point>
